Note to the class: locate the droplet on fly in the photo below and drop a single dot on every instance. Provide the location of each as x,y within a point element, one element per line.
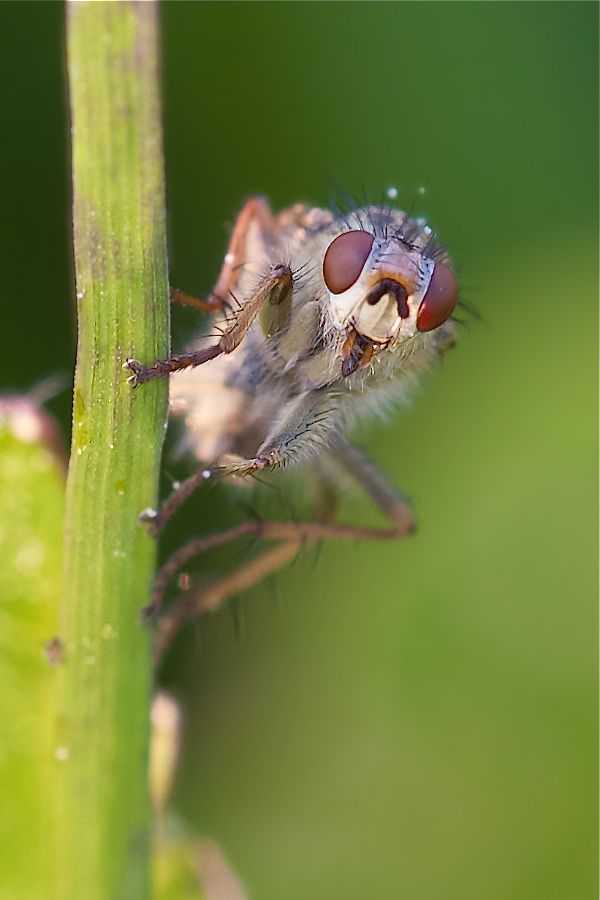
<point>392,193</point>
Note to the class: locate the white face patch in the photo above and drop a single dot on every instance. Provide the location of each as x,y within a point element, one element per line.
<point>381,322</point>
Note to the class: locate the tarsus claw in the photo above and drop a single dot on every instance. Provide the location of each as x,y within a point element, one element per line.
<point>136,369</point>
<point>150,517</point>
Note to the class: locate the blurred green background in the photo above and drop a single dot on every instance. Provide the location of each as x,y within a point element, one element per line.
<point>411,721</point>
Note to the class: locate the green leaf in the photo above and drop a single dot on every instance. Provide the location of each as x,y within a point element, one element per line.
<point>31,516</point>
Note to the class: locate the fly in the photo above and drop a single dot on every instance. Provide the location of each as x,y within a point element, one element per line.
<point>323,320</point>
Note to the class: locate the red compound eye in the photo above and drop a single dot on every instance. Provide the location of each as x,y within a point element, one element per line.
<point>440,299</point>
<point>345,259</point>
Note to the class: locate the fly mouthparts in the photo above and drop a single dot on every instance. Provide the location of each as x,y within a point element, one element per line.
<point>397,290</point>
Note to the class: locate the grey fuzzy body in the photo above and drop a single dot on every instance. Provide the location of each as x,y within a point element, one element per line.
<point>283,386</point>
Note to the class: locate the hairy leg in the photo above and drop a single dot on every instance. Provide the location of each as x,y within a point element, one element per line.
<point>291,536</point>
<point>273,289</point>
<point>211,597</point>
<point>298,433</point>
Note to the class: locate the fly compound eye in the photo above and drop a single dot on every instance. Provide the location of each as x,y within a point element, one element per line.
<point>345,259</point>
<point>440,299</point>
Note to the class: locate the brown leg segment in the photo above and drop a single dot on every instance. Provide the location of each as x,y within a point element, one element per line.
<point>270,290</point>
<point>241,579</point>
<point>156,521</point>
<point>255,212</point>
<point>211,597</point>
<point>291,536</point>
<point>213,304</point>
<point>266,530</point>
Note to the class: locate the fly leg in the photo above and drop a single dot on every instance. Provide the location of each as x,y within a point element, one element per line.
<point>253,227</point>
<point>267,530</point>
<point>354,463</point>
<point>291,536</point>
<point>213,303</point>
<point>298,434</point>
<point>241,579</point>
<point>301,433</point>
<point>376,484</point>
<point>273,289</point>
<point>254,215</point>
<point>254,224</point>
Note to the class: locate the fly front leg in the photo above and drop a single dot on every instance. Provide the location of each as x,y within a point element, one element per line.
<point>274,289</point>
<point>254,226</point>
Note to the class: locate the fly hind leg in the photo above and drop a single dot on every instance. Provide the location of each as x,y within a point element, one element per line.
<point>211,597</point>
<point>241,579</point>
<point>290,537</point>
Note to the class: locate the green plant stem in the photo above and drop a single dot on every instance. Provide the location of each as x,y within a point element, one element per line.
<point>122,304</point>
